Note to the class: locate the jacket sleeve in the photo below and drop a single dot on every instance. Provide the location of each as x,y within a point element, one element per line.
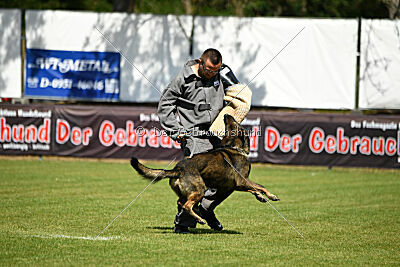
<point>167,109</point>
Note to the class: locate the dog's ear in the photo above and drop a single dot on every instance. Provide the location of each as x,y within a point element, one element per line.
<point>231,126</point>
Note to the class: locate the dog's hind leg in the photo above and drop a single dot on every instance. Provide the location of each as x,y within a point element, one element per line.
<point>193,198</point>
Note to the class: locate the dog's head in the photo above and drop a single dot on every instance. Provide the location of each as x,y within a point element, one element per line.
<point>235,135</point>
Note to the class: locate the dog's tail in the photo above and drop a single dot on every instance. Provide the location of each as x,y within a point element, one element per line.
<point>152,174</point>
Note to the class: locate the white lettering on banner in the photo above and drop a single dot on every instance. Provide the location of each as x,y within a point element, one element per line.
<point>374,125</point>
<point>131,136</point>
<point>56,83</point>
<point>146,117</point>
<point>251,122</point>
<point>7,113</point>
<point>24,134</point>
<point>40,147</point>
<point>342,144</point>
<point>110,86</point>
<point>34,113</point>
<point>66,65</point>
<point>13,146</point>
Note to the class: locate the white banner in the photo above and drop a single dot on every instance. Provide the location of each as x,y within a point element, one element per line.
<point>10,53</point>
<point>380,64</point>
<point>317,69</point>
<point>153,48</point>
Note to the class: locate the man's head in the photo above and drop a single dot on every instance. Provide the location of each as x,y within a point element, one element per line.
<point>210,63</point>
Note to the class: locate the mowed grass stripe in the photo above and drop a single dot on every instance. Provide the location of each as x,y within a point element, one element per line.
<point>349,216</point>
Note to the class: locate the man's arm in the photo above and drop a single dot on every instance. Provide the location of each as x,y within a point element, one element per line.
<point>167,109</point>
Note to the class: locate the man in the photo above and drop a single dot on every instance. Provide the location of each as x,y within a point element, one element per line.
<point>196,96</point>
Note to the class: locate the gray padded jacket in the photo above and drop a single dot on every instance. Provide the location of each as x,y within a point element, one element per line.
<point>189,102</point>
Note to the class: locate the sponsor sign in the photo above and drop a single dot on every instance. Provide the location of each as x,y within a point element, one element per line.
<point>320,139</point>
<point>71,74</point>
<point>25,130</point>
<point>275,137</point>
<point>122,133</point>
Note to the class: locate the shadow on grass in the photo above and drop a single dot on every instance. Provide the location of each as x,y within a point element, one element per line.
<point>169,230</point>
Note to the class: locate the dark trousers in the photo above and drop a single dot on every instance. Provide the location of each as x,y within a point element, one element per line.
<point>212,198</point>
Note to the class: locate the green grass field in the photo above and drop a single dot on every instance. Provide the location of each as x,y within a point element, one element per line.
<point>348,217</point>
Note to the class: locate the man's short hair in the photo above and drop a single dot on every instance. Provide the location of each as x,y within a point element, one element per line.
<point>213,55</point>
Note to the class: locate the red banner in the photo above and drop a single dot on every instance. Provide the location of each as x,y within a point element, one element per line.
<point>122,131</point>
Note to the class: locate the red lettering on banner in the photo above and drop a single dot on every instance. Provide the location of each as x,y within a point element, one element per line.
<point>343,142</point>
<point>271,139</point>
<point>354,141</point>
<point>378,146</point>
<point>106,133</point>
<point>165,140</point>
<point>316,143</point>
<point>44,132</point>
<point>132,136</point>
<point>5,130</point>
<point>76,136</point>
<point>330,146</point>
<point>365,147</point>
<point>254,139</point>
<point>87,133</point>
<point>120,137</point>
<point>398,143</point>
<point>31,134</point>
<point>62,132</point>
<point>297,139</point>
<point>390,146</point>
<point>152,139</point>
<point>142,137</point>
<point>284,144</point>
<point>18,133</point>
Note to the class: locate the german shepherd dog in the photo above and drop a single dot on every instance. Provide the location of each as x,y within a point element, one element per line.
<point>226,169</point>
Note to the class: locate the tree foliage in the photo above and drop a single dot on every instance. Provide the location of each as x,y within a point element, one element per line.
<point>248,8</point>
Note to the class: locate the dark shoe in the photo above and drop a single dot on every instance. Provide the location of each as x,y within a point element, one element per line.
<point>178,229</point>
<point>210,218</point>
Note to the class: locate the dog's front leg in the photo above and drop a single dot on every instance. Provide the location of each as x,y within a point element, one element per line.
<point>256,189</point>
<point>259,196</point>
<point>188,206</point>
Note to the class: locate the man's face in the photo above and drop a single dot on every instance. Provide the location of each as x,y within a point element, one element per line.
<point>208,70</point>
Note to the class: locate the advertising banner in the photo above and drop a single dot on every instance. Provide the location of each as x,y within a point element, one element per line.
<point>123,132</point>
<point>113,132</point>
<point>325,139</point>
<point>26,130</point>
<point>72,74</point>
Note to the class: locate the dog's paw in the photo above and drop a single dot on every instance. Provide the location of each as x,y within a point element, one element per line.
<point>273,197</point>
<point>260,197</point>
